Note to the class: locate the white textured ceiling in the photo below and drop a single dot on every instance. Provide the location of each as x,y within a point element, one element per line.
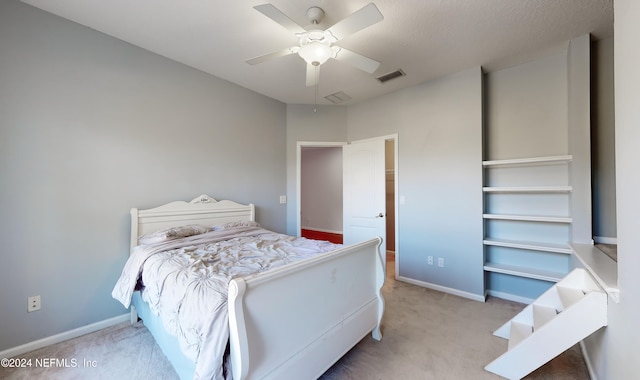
<point>425,38</point>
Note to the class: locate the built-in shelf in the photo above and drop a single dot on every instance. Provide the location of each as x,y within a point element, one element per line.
<point>523,186</point>
<point>527,189</point>
<point>529,161</point>
<point>529,218</point>
<point>512,270</point>
<point>533,246</point>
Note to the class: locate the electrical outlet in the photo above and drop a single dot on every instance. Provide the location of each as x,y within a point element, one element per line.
<point>33,303</point>
<point>441,262</point>
<point>430,260</point>
<point>283,199</point>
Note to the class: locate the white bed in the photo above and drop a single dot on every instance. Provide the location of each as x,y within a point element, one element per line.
<point>291,322</point>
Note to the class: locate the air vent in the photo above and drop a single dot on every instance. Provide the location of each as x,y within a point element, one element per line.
<point>391,75</point>
<point>337,97</point>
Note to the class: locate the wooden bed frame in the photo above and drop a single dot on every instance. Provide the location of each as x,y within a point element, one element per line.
<point>291,322</point>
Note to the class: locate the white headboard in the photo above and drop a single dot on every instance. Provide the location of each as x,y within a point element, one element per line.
<point>202,210</point>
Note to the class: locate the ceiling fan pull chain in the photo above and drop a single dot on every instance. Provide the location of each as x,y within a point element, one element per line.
<point>315,99</point>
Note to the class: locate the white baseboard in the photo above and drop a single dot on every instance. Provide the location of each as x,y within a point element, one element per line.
<point>605,240</point>
<point>444,289</point>
<point>587,360</point>
<point>36,344</point>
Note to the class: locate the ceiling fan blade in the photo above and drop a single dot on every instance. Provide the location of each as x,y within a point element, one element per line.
<point>360,19</point>
<point>313,72</point>
<point>275,54</point>
<point>276,15</point>
<point>360,61</point>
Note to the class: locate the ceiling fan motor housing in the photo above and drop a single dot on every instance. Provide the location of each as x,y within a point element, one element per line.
<point>315,15</point>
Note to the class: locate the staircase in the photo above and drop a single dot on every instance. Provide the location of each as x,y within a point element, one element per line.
<point>565,314</point>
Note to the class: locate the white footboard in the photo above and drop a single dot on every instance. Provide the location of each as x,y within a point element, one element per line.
<point>296,321</point>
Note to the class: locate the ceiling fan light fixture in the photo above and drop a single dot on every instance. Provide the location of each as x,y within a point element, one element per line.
<point>316,53</point>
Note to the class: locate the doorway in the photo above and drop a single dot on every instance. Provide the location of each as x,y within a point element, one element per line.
<point>320,203</point>
<point>390,192</point>
<point>321,193</point>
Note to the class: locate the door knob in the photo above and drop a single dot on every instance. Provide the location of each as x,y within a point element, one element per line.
<point>380,215</point>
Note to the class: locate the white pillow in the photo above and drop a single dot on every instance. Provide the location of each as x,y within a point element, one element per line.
<point>172,234</point>
<point>247,223</point>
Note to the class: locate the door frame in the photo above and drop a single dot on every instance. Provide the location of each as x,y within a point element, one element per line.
<point>333,144</point>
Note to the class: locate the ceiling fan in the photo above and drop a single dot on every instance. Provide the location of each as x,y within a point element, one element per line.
<point>317,46</point>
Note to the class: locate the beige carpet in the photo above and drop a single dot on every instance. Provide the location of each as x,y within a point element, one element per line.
<point>426,335</point>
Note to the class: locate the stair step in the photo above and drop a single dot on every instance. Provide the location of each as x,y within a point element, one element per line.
<point>565,314</point>
<point>542,315</point>
<point>569,295</point>
<point>519,332</point>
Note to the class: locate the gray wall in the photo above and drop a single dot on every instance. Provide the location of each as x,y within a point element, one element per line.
<point>613,350</point>
<point>327,124</point>
<point>439,126</point>
<point>579,122</point>
<point>90,127</point>
<point>527,109</point>
<point>603,140</point>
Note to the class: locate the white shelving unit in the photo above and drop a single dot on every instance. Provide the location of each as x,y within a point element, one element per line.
<point>527,224</point>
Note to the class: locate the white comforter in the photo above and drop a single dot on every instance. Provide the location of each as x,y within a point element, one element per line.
<point>186,283</point>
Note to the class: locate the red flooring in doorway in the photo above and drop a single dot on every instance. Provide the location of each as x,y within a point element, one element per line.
<point>319,235</point>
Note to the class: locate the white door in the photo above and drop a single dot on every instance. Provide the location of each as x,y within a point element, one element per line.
<point>364,215</point>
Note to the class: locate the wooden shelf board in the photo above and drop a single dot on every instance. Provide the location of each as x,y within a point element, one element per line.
<point>529,218</point>
<point>534,246</point>
<point>529,161</point>
<point>513,270</point>
<point>528,189</point>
